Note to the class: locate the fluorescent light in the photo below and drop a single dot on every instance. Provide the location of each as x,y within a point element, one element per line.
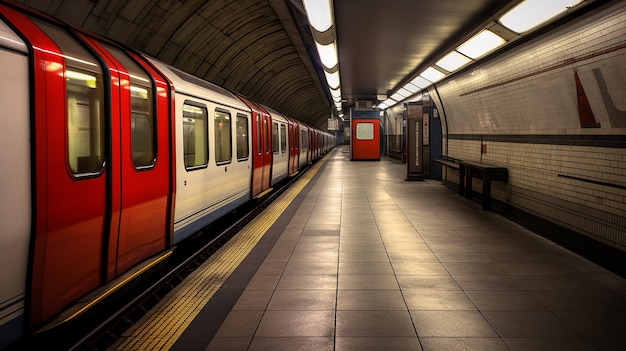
<point>328,54</point>
<point>398,97</point>
<point>319,14</point>
<point>412,88</point>
<point>531,13</point>
<point>404,92</point>
<point>390,102</point>
<point>420,82</point>
<point>452,61</point>
<point>382,106</point>
<point>332,79</point>
<point>481,44</point>
<point>432,74</point>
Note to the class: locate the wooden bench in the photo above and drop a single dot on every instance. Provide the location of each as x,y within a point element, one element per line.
<point>448,161</point>
<point>484,172</point>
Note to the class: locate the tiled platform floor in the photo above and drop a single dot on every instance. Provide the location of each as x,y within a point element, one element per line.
<point>372,262</point>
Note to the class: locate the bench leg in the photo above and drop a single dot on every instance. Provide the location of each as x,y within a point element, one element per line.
<point>461,180</point>
<point>486,194</point>
<point>468,184</point>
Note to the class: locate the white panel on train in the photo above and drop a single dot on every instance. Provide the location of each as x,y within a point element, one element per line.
<point>280,146</point>
<point>212,173</point>
<point>15,185</point>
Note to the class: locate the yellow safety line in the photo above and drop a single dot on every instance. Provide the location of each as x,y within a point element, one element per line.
<point>164,324</point>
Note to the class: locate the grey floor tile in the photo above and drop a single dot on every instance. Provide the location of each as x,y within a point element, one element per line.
<point>462,257</point>
<point>588,300</point>
<point>544,282</point>
<point>322,267</point>
<point>473,268</point>
<point>368,282</point>
<point>437,300</point>
<point>419,268</point>
<point>487,282</point>
<point>374,323</point>
<point>549,344</point>
<point>312,257</point>
<point>296,324</point>
<point>346,257</point>
<point>365,268</point>
<point>303,300</point>
<point>463,344</point>
<point>370,300</point>
<point>240,324</point>
<point>253,300</point>
<point>451,324</point>
<point>520,324</point>
<point>292,343</point>
<point>377,344</point>
<point>307,281</point>
<point>424,256</point>
<point>263,282</point>
<point>229,344</point>
<point>596,324</point>
<point>427,282</point>
<point>505,301</point>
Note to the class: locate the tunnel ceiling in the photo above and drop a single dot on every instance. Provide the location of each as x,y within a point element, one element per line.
<point>263,48</point>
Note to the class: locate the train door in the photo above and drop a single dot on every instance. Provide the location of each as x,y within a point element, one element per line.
<point>144,183</point>
<point>294,146</point>
<point>261,153</point>
<point>71,176</point>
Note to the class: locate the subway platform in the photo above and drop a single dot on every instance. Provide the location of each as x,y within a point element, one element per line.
<point>352,257</point>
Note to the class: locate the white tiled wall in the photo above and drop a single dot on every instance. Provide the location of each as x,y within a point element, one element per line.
<point>496,98</point>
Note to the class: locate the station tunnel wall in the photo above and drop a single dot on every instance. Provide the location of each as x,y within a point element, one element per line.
<point>553,111</point>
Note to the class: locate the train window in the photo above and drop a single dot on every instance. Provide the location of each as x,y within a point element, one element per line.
<point>242,137</point>
<point>223,137</point>
<point>143,120</point>
<point>267,135</point>
<point>275,143</point>
<point>283,138</point>
<point>85,104</point>
<point>195,135</point>
<point>258,135</point>
<point>304,143</point>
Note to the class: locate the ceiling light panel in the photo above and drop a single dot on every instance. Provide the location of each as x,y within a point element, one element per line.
<point>328,54</point>
<point>319,13</point>
<point>480,44</point>
<point>432,74</point>
<point>531,13</point>
<point>453,61</point>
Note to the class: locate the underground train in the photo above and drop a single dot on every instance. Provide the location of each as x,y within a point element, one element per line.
<point>110,158</point>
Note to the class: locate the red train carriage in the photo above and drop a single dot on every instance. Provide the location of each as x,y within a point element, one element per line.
<point>127,156</point>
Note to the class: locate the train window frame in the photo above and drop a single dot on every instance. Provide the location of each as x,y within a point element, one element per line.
<point>220,114</point>
<point>275,140</point>
<point>259,142</point>
<point>85,130</point>
<point>283,138</point>
<point>204,129</point>
<point>141,86</point>
<point>242,137</point>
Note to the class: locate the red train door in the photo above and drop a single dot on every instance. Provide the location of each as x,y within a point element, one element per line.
<point>294,149</point>
<point>71,175</point>
<point>143,182</point>
<point>261,153</point>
